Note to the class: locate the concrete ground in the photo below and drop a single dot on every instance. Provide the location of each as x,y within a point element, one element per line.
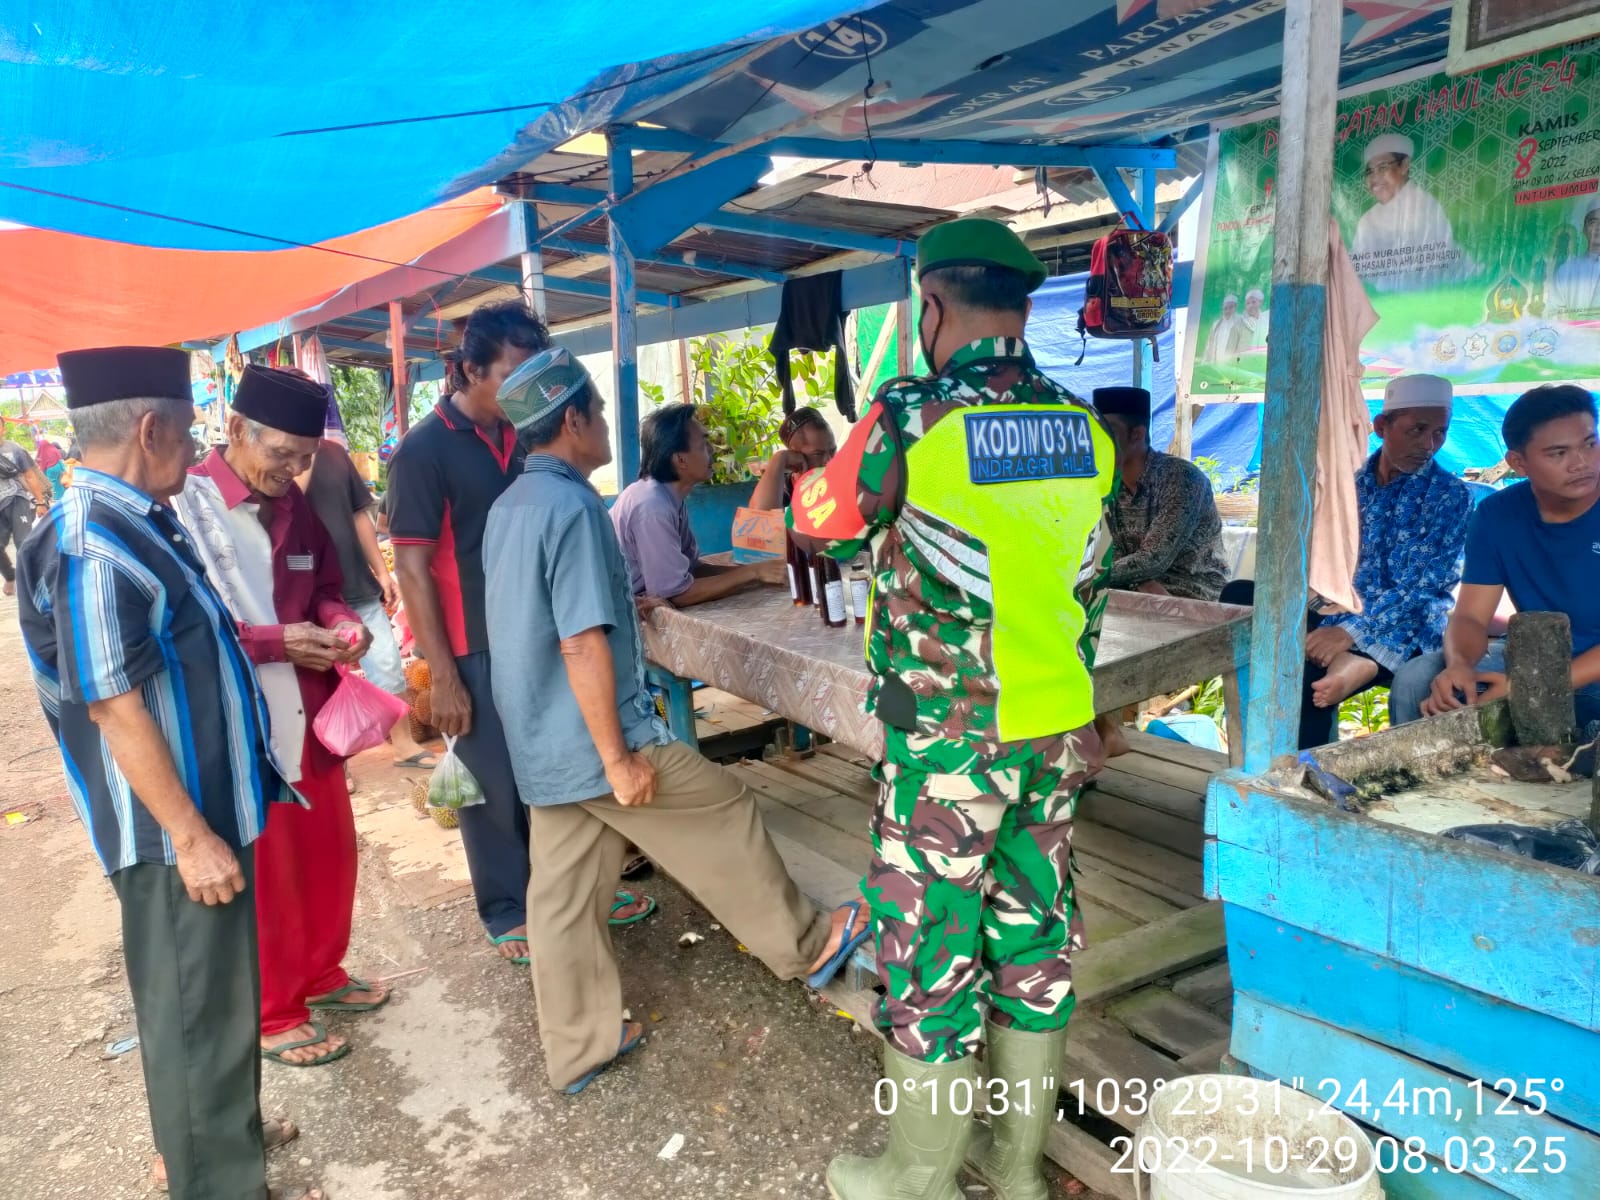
<point>444,1095</point>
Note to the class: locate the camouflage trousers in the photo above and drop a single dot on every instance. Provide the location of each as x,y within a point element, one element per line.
<point>970,887</point>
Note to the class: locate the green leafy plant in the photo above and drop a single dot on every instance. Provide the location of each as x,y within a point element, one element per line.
<point>734,385</point>
<point>1227,479</point>
<point>360,396</point>
<point>1208,701</point>
<point>1368,709</point>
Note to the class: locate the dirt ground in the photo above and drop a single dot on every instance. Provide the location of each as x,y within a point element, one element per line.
<point>444,1095</point>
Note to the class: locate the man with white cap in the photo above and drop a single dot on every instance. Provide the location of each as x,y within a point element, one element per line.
<point>1413,529</point>
<point>1405,237</point>
<point>1575,287</point>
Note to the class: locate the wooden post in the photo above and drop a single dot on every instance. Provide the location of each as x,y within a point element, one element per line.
<point>1539,667</point>
<point>905,355</point>
<point>683,371</point>
<point>624,319</point>
<point>1311,45</point>
<point>533,262</point>
<point>397,359</point>
<point>1143,350</point>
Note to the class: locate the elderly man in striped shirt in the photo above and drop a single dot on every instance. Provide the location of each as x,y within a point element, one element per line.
<point>164,737</point>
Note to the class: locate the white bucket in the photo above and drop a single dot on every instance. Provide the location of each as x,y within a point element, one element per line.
<point>1229,1137</point>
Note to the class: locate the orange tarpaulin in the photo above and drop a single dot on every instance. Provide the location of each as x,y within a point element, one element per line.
<point>59,291</point>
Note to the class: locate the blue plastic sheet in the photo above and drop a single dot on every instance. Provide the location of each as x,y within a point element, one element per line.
<point>307,120</point>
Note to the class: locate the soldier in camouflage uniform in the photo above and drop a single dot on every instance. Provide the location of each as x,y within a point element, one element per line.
<point>982,494</point>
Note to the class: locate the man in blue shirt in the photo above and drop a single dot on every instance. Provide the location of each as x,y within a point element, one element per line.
<point>1538,540</point>
<point>597,765</point>
<point>1413,525</point>
<point>164,737</point>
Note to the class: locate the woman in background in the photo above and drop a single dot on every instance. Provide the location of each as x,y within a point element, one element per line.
<point>808,443</point>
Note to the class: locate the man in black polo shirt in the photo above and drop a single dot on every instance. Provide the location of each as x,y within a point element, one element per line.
<point>445,475</point>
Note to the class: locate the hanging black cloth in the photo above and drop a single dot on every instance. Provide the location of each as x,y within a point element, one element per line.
<point>812,318</point>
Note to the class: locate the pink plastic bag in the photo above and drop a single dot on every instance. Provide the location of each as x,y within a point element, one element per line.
<point>358,716</point>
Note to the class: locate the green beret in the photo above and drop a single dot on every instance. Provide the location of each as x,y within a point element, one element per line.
<point>541,385</point>
<point>977,242</point>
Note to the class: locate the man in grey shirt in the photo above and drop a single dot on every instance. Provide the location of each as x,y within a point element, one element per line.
<point>594,761</point>
<point>653,524</point>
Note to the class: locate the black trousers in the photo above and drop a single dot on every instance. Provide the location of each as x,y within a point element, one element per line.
<point>495,833</point>
<point>1318,726</point>
<point>16,523</point>
<point>196,984</point>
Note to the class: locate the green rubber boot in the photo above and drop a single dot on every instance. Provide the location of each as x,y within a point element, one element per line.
<point>928,1135</point>
<point>1006,1154</point>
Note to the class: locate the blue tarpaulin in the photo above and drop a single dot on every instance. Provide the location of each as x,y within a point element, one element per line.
<point>304,121</point>
<point>1225,432</point>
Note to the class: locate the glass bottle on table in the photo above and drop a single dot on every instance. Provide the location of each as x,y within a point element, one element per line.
<point>799,572</point>
<point>814,577</point>
<point>860,587</point>
<point>833,610</point>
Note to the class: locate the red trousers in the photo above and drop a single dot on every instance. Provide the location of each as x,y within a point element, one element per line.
<point>305,897</point>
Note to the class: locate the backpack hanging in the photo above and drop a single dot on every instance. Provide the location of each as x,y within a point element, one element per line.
<point>1128,294</point>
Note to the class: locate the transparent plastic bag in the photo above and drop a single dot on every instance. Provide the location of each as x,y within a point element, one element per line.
<point>358,716</point>
<point>451,785</point>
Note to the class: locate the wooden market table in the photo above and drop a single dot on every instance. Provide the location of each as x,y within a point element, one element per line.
<point>759,646</point>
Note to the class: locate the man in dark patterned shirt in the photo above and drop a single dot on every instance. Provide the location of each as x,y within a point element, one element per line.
<point>1164,526</point>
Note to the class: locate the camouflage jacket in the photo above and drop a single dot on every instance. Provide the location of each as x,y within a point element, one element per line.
<point>923,631</point>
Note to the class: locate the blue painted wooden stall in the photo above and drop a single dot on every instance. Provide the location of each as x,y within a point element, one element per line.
<point>1366,956</point>
<point>1384,969</point>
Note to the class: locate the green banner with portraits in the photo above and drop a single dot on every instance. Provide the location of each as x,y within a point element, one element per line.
<point>1470,206</point>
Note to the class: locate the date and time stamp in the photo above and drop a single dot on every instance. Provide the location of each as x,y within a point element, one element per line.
<point>1477,1150</point>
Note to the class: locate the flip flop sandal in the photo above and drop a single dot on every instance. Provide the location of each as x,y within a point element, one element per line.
<point>626,1046</point>
<point>319,1035</point>
<point>416,760</point>
<point>333,1001</point>
<point>275,1132</point>
<point>847,946</point>
<point>625,898</point>
<point>518,960</point>
<point>638,867</point>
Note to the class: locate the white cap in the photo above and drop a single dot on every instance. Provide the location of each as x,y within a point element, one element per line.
<point>1388,143</point>
<point>1417,391</point>
<point>1254,294</point>
<point>1230,298</point>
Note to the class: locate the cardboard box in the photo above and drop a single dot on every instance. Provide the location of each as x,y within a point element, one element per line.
<point>760,530</point>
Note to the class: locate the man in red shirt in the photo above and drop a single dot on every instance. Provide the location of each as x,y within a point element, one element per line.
<point>274,564</point>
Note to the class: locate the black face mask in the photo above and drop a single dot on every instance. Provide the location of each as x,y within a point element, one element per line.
<point>922,330</point>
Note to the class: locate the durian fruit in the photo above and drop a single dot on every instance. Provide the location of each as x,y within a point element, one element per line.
<point>419,731</point>
<point>419,797</point>
<point>418,676</point>
<point>422,706</point>
<point>445,818</point>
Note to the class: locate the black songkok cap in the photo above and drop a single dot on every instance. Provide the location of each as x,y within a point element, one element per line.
<point>282,401</point>
<point>124,373</point>
<point>1123,402</point>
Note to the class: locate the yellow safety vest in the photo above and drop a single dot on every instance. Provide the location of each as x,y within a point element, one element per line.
<point>1000,501</point>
